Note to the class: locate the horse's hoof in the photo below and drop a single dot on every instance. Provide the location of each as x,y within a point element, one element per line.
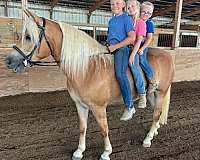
<point>146,145</point>
<point>155,133</point>
<point>77,155</point>
<point>104,158</point>
<point>76,158</point>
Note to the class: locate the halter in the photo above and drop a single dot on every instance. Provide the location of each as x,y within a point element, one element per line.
<point>27,58</point>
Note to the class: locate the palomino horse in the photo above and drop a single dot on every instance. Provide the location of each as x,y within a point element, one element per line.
<point>90,74</point>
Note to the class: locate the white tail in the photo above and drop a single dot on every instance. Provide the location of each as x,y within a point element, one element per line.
<point>165,107</point>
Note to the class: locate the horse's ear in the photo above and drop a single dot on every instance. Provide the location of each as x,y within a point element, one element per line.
<point>34,16</point>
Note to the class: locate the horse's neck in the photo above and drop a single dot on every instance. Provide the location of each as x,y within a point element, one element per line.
<point>97,72</point>
<point>95,68</point>
<point>56,41</point>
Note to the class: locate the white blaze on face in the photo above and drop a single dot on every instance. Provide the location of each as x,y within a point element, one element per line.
<point>25,62</point>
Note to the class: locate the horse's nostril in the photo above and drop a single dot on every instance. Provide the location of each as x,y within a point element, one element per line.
<point>8,61</point>
<point>15,70</point>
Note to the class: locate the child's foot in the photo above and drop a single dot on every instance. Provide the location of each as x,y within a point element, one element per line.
<point>152,87</point>
<point>128,114</point>
<point>142,101</point>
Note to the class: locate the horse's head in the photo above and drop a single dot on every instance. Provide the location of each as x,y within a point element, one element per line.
<point>37,43</point>
<point>42,38</point>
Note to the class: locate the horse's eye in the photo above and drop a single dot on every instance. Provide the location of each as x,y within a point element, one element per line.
<point>28,37</point>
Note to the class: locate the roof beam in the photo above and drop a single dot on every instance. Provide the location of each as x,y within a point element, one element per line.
<point>152,1</point>
<point>53,3</point>
<point>173,7</point>
<point>191,13</point>
<point>97,5</point>
<point>6,8</point>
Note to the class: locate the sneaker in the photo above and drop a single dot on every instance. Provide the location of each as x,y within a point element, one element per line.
<point>142,102</point>
<point>152,87</point>
<point>128,114</point>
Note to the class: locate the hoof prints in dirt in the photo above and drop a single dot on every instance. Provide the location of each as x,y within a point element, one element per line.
<point>43,126</point>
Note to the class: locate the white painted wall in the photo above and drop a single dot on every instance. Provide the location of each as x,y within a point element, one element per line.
<point>70,15</point>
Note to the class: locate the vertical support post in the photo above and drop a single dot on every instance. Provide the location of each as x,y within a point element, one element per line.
<point>94,32</point>
<point>24,6</point>
<point>53,4</point>
<point>51,13</point>
<point>88,18</point>
<point>198,38</point>
<point>6,8</point>
<point>176,40</point>
<point>24,17</point>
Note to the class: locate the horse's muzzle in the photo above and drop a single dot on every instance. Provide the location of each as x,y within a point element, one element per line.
<point>15,62</point>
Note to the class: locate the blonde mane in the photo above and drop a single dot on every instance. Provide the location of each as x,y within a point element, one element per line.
<point>78,48</point>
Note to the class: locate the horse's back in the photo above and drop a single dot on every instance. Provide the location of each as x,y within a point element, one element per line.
<point>163,66</point>
<point>101,82</point>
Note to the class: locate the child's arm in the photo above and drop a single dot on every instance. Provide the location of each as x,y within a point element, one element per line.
<point>129,40</point>
<point>135,49</point>
<point>147,42</point>
<point>140,30</point>
<point>149,38</point>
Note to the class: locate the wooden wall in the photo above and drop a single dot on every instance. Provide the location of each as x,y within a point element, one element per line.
<point>10,31</point>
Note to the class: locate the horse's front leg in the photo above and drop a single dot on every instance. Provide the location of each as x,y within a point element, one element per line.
<point>83,117</point>
<point>100,115</point>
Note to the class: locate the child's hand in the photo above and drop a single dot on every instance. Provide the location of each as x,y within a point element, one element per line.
<point>112,48</point>
<point>131,59</point>
<point>140,51</point>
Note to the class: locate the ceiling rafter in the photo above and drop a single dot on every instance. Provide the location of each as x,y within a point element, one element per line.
<point>191,13</point>
<point>97,5</point>
<point>173,8</point>
<point>162,7</point>
<point>53,3</point>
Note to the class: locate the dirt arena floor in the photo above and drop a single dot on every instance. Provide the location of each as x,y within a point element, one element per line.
<point>44,126</point>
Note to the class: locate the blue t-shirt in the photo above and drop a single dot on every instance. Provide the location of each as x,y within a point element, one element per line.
<point>118,28</point>
<point>150,29</point>
<point>150,26</point>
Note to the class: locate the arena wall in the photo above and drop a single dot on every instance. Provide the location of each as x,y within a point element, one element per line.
<point>43,79</point>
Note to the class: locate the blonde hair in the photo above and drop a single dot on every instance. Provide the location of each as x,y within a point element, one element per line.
<point>124,3</point>
<point>137,14</point>
<point>147,3</point>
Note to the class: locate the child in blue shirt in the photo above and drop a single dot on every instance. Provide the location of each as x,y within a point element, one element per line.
<point>146,12</point>
<point>120,35</point>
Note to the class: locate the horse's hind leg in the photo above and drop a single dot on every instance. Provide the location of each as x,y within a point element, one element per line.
<point>151,99</point>
<point>159,115</point>
<point>100,115</point>
<point>83,117</point>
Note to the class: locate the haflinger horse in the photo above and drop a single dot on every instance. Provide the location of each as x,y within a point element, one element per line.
<point>90,74</point>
